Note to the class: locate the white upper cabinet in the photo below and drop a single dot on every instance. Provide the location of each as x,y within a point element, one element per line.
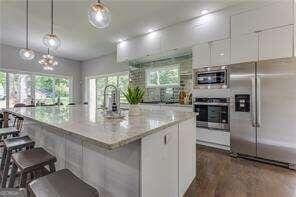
<point>177,37</point>
<point>127,50</point>
<point>201,55</point>
<point>149,44</point>
<point>276,43</point>
<point>211,27</point>
<point>211,54</point>
<point>244,48</point>
<point>267,17</point>
<point>220,52</point>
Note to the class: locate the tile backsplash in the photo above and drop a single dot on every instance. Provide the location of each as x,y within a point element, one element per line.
<point>163,94</point>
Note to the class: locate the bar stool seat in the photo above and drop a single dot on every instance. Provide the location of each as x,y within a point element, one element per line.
<point>62,183</point>
<point>18,142</point>
<point>8,131</point>
<point>30,161</point>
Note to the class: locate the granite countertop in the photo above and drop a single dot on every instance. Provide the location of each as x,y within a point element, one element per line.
<point>169,105</point>
<point>87,123</point>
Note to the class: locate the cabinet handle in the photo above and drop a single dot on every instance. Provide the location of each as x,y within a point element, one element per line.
<point>165,139</point>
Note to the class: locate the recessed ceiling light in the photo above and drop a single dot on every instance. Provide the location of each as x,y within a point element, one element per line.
<point>204,12</point>
<point>120,40</point>
<point>150,30</point>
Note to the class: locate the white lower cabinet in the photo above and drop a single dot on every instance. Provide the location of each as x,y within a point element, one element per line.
<point>187,155</point>
<point>160,164</point>
<point>168,161</point>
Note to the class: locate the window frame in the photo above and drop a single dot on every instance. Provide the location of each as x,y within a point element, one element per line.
<point>151,69</point>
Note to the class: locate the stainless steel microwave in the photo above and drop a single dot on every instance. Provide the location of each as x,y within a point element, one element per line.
<point>211,77</point>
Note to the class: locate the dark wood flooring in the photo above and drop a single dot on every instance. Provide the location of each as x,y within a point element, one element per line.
<point>219,175</point>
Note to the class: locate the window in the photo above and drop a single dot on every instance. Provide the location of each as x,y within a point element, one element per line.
<point>163,76</point>
<point>120,80</point>
<point>49,89</point>
<point>27,87</point>
<point>2,89</point>
<point>20,88</point>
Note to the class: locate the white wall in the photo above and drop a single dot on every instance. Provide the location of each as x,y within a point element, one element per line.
<point>101,66</point>
<point>10,60</point>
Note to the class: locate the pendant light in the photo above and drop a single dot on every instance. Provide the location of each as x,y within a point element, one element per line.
<point>26,53</point>
<point>48,61</point>
<point>99,15</point>
<point>51,40</point>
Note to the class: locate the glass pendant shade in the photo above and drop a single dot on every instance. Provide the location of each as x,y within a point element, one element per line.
<point>48,62</point>
<point>27,54</point>
<point>51,41</point>
<point>99,15</point>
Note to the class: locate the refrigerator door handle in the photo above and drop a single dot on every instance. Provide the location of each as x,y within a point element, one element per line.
<point>253,102</point>
<point>258,122</point>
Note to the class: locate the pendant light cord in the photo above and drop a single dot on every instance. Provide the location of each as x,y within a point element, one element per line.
<point>27,24</point>
<point>51,16</point>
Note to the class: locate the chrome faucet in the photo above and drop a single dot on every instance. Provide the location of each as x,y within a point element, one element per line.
<point>115,108</point>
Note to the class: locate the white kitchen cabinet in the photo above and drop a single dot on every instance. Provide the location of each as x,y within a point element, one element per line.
<point>210,27</point>
<point>220,52</point>
<point>211,54</point>
<point>276,43</point>
<point>127,50</point>
<point>201,55</point>
<point>160,159</point>
<point>274,15</point>
<point>149,44</point>
<point>244,48</point>
<point>187,155</point>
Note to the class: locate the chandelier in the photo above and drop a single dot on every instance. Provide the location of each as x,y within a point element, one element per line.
<point>48,62</point>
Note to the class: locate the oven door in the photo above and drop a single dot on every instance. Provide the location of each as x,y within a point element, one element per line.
<point>212,116</point>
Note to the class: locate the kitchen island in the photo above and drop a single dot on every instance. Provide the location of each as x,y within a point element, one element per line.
<point>149,155</point>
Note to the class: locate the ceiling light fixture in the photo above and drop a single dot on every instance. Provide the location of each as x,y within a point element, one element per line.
<point>47,61</point>
<point>150,30</point>
<point>26,53</point>
<point>204,12</point>
<point>99,15</point>
<point>51,40</point>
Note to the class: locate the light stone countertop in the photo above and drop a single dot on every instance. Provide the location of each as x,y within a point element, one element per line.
<point>88,123</point>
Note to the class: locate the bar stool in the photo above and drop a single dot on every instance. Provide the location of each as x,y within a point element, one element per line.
<point>29,162</point>
<point>61,183</point>
<point>12,145</point>
<point>13,130</point>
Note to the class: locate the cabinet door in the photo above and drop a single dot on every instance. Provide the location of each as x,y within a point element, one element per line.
<point>215,26</point>
<point>220,52</point>
<point>127,50</point>
<point>159,160</point>
<point>276,43</point>
<point>201,55</point>
<point>187,155</point>
<point>244,48</point>
<point>266,17</point>
<point>149,44</point>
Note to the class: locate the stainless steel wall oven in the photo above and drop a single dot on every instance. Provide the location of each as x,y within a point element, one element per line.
<point>212,113</point>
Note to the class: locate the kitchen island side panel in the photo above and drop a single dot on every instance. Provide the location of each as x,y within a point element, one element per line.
<point>112,172</point>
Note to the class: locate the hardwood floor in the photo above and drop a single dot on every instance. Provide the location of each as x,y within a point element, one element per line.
<point>219,175</point>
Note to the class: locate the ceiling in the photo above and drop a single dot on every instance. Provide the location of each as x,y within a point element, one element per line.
<point>81,41</point>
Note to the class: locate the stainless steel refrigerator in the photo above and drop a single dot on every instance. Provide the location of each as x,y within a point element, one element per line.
<point>263,110</point>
